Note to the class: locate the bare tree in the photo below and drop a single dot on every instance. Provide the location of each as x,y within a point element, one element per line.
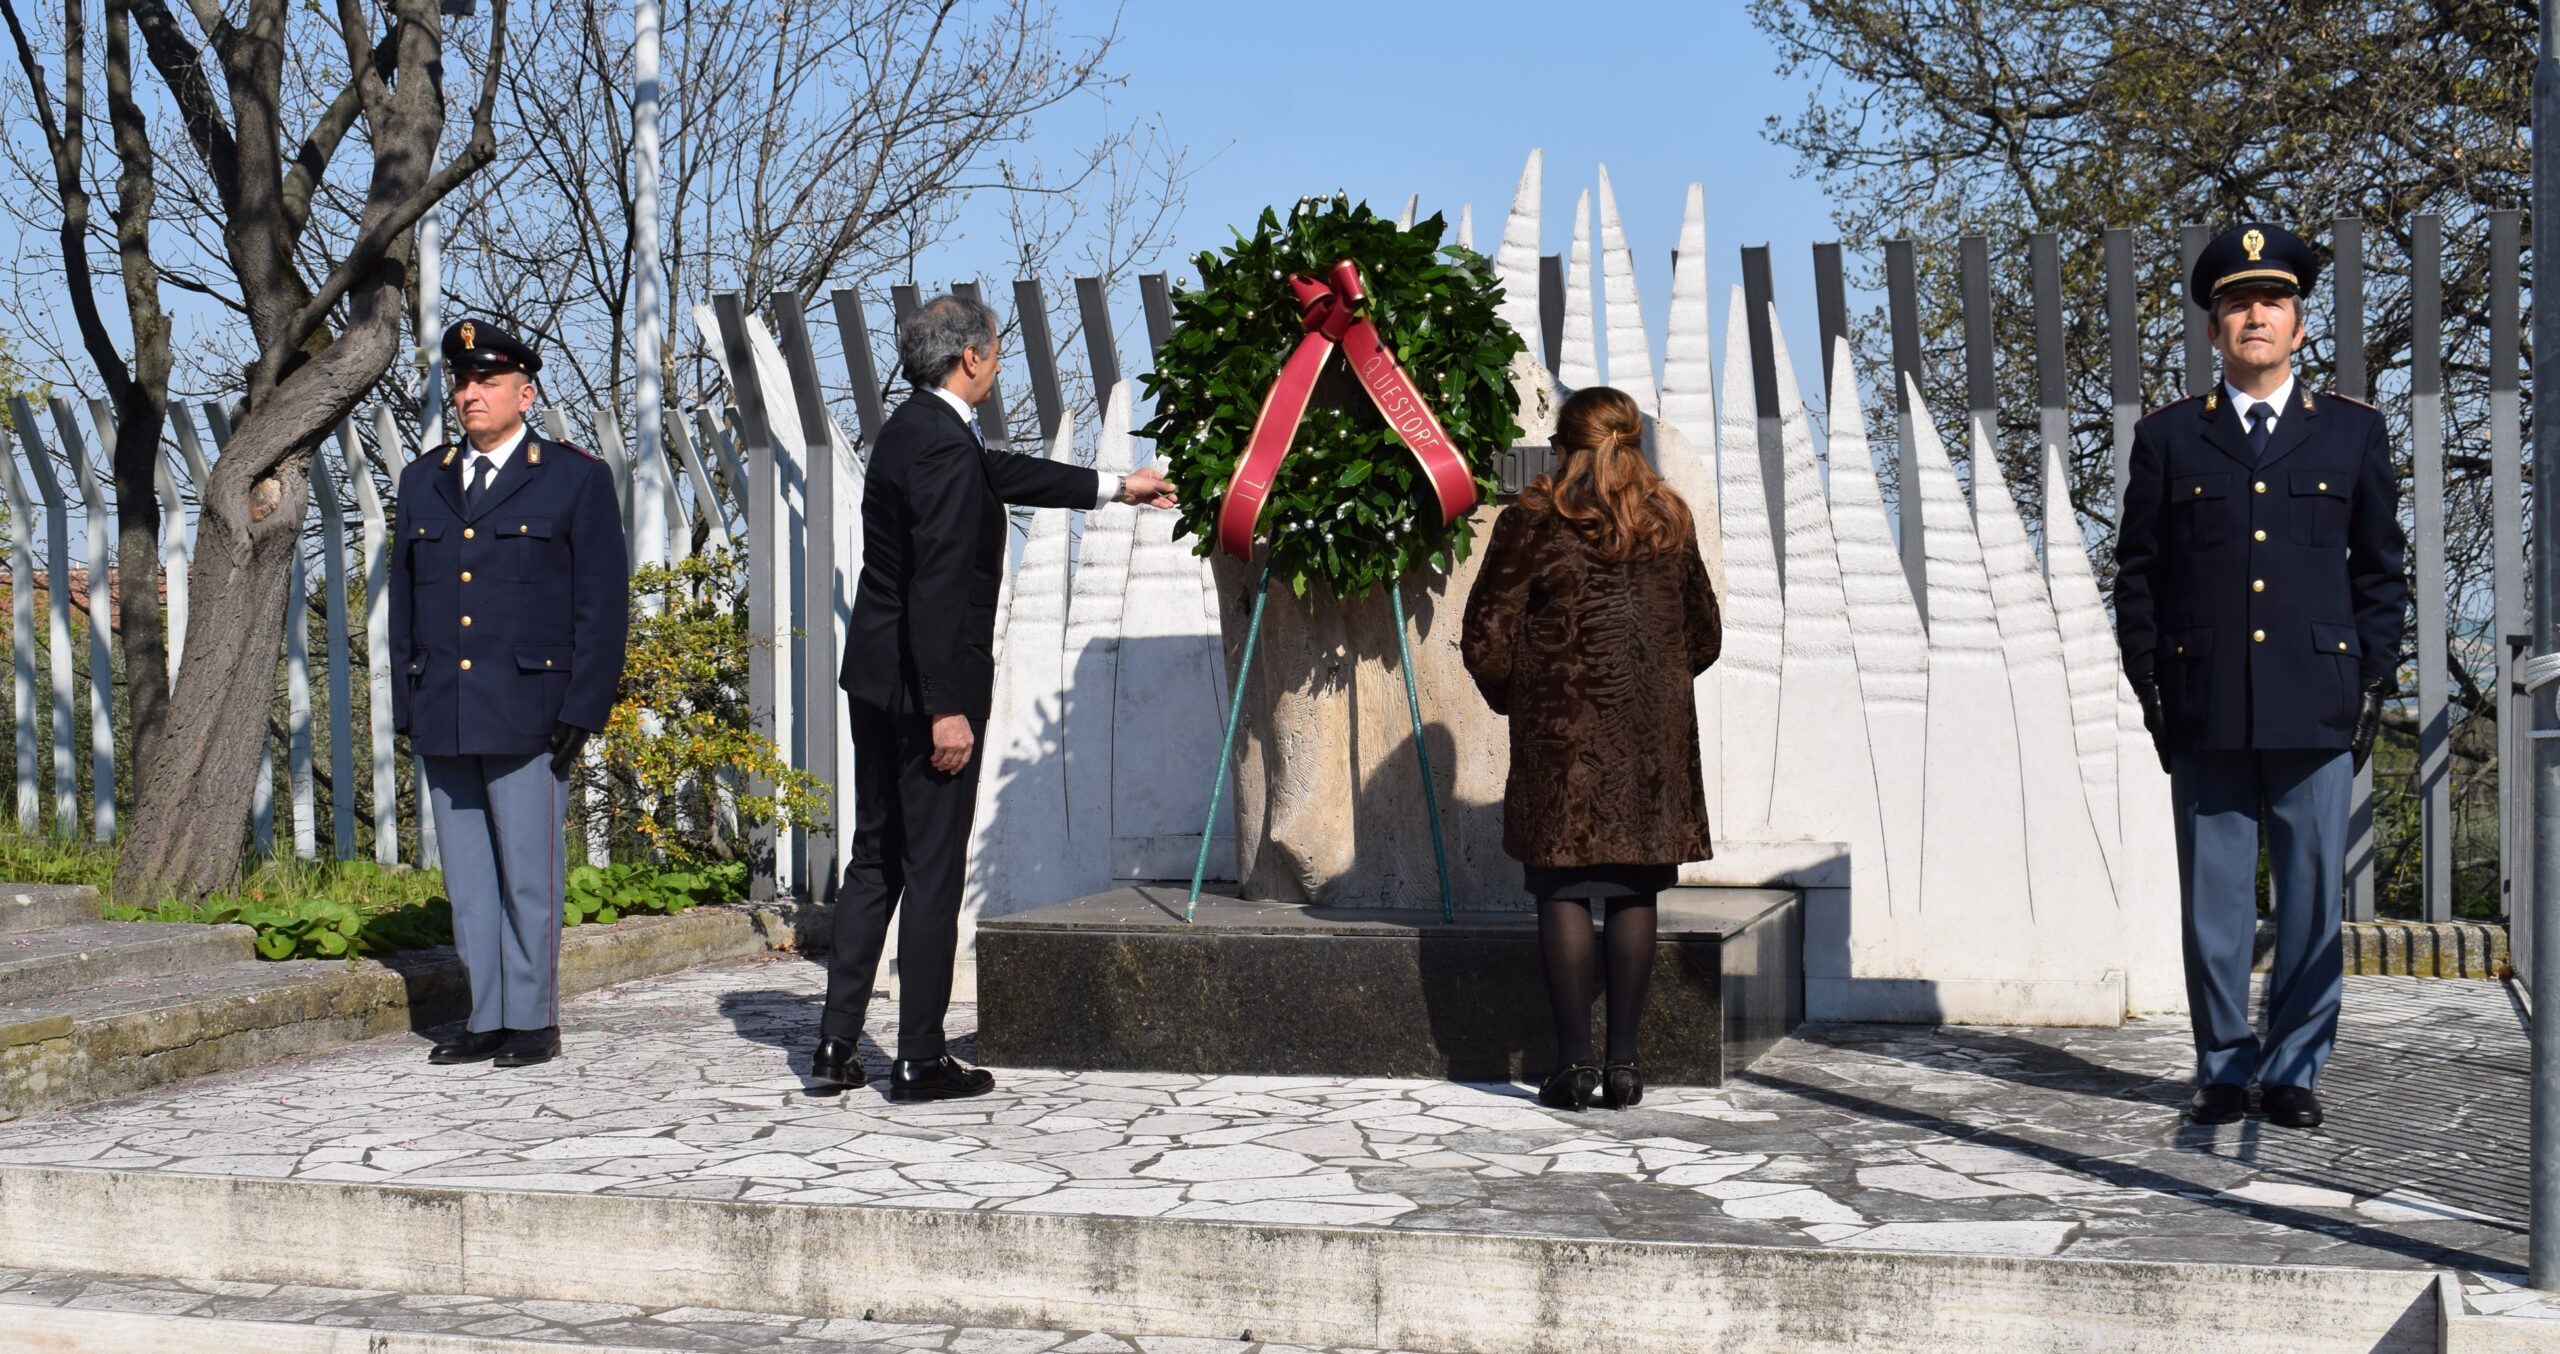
<point>137,384</point>
<point>807,147</point>
<point>318,134</point>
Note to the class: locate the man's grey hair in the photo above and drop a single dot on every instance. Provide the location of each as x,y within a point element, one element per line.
<point>932,339</point>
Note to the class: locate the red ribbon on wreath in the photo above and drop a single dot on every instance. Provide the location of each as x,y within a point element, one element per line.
<point>1334,314</point>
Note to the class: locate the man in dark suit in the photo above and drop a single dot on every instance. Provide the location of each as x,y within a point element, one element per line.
<point>919,668</point>
<point>510,605</point>
<point>2258,604</point>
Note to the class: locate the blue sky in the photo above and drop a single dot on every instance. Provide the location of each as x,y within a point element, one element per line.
<point>1388,98</point>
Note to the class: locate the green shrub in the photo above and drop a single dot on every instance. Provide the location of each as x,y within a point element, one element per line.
<point>608,893</point>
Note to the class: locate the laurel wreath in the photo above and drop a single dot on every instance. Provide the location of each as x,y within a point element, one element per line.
<point>1350,508</point>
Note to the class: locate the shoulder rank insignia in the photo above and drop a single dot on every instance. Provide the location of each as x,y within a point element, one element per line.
<point>2349,399</point>
<point>572,446</point>
<point>2183,399</point>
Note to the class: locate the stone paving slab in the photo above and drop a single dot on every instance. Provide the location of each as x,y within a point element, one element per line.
<point>571,1325</point>
<point>1976,1141</point>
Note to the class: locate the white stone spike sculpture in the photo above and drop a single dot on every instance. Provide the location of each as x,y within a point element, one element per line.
<point>1689,475</point>
<point>2067,879</point>
<point>1823,782</point>
<point>1515,260</point>
<point>1093,662</point>
<point>1172,682</point>
<point>1466,225</point>
<point>1688,369</point>
<point>1753,610</point>
<point>1578,360</point>
<point>1893,659</point>
<point>2089,662</point>
<point>1412,207</point>
<point>2147,888</point>
<point>1017,845</point>
<point>1630,351</point>
<point>1975,920</point>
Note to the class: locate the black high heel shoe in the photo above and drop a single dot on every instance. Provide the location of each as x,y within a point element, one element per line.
<point>1621,1086</point>
<point>1571,1088</point>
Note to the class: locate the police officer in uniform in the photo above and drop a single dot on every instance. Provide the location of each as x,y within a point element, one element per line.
<point>2258,605</point>
<point>510,604</point>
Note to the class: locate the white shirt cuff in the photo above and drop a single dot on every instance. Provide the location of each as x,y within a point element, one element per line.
<point>1110,492</point>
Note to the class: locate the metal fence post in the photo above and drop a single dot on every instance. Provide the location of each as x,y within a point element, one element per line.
<point>333,599</point>
<point>2347,308</point>
<point>102,716</point>
<point>377,631</point>
<point>22,640</point>
<point>2426,429</point>
<point>57,548</point>
<point>762,635</point>
<point>1902,293</point>
<point>817,874</point>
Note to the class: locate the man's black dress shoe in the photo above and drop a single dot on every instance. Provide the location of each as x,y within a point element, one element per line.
<point>524,1048</point>
<point>2219,1102</point>
<point>2293,1107</point>
<point>470,1046</point>
<point>940,1078</point>
<point>836,1064</point>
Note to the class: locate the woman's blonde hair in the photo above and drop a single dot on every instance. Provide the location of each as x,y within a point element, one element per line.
<point>1602,484</point>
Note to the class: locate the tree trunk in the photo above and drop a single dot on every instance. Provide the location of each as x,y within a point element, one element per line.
<point>192,793</point>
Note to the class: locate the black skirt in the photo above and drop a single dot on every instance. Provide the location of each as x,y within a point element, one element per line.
<point>1598,881</point>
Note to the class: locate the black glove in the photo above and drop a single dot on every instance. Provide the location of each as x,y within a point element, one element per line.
<point>2369,720</point>
<point>2155,721</point>
<point>567,741</point>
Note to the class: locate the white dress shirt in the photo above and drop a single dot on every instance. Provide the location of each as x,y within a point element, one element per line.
<point>1104,497</point>
<point>498,456</point>
<point>2280,399</point>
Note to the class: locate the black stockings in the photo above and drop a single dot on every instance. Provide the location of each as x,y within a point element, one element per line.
<point>1565,940</point>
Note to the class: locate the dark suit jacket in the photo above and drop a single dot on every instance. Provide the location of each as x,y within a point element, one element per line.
<point>2264,592</point>
<point>933,558</point>
<point>513,617</point>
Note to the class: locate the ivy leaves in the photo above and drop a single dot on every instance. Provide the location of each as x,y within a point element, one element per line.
<point>1350,509</point>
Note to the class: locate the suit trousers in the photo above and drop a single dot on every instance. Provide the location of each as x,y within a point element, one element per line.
<point>498,825</point>
<point>908,858</point>
<point>2221,799</point>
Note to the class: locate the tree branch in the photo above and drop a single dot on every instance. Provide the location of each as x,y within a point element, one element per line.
<point>384,234</point>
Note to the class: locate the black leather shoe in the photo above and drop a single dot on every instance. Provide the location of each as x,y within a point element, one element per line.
<point>940,1078</point>
<point>524,1048</point>
<point>1571,1088</point>
<point>1621,1085</point>
<point>835,1064</point>
<point>2219,1102</point>
<point>2293,1107</point>
<point>470,1046</point>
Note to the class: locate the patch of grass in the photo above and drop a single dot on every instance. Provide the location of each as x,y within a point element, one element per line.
<point>55,860</point>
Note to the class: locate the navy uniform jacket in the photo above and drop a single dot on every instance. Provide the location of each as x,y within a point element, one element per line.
<point>2263,592</point>
<point>510,619</point>
<point>933,558</point>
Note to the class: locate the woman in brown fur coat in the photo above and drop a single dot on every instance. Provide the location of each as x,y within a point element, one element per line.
<point>1591,617</point>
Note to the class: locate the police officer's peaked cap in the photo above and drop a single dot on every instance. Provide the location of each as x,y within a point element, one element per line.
<point>478,348</point>
<point>2253,254</point>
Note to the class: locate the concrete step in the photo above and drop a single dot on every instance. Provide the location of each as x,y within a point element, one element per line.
<point>1311,1287</point>
<point>92,953</point>
<point>41,907</point>
<point>66,1313</point>
<point>116,1030</point>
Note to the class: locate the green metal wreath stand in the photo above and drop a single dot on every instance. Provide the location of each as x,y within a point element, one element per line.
<point>1235,715</point>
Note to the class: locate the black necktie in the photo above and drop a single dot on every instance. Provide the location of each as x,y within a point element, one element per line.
<point>2262,418</point>
<point>487,471</point>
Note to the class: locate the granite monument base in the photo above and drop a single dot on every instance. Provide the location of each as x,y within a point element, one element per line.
<point>1119,982</point>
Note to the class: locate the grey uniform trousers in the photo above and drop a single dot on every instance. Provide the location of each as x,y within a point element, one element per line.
<point>498,826</point>
<point>2220,799</point>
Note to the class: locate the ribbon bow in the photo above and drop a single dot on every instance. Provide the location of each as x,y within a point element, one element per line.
<point>1334,313</point>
